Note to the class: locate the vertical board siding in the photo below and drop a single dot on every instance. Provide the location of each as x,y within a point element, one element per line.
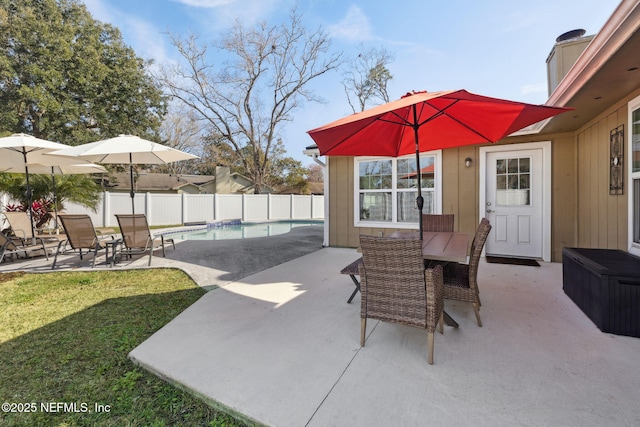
<point>601,217</point>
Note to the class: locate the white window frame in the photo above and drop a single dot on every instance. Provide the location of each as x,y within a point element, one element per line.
<point>633,105</point>
<point>357,222</point>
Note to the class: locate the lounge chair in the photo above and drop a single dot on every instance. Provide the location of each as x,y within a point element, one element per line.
<point>137,237</point>
<point>81,235</point>
<point>20,224</point>
<point>461,280</point>
<point>396,288</point>
<point>11,247</point>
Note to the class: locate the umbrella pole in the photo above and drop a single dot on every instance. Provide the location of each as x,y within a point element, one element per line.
<point>132,194</point>
<point>29,195</point>
<point>419,199</point>
<point>55,199</point>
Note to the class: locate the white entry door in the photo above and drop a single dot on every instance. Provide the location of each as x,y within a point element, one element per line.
<point>514,202</point>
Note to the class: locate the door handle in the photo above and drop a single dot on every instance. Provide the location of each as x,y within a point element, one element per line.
<point>489,211</point>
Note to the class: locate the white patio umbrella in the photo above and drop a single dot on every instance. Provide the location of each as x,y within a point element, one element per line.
<point>126,149</point>
<point>20,151</point>
<point>71,169</point>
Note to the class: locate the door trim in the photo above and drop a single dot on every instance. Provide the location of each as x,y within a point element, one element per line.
<point>546,185</point>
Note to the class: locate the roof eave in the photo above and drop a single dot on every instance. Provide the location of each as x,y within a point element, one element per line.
<point>622,24</point>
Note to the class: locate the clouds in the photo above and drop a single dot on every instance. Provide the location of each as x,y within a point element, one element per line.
<point>354,27</point>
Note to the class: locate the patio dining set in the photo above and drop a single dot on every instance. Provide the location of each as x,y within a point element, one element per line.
<point>405,277</point>
<point>79,236</point>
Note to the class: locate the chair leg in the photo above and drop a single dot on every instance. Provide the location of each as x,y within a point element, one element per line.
<point>363,330</point>
<point>476,309</point>
<point>44,249</point>
<point>441,323</point>
<point>430,340</point>
<point>95,255</point>
<point>55,258</point>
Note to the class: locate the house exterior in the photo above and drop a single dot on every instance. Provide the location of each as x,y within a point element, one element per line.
<point>571,181</point>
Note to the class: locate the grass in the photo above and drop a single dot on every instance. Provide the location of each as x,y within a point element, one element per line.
<point>64,340</point>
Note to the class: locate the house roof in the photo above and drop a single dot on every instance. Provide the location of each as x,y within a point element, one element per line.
<point>158,181</point>
<point>313,187</point>
<point>607,70</point>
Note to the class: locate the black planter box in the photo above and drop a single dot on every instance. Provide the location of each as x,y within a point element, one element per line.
<point>605,284</point>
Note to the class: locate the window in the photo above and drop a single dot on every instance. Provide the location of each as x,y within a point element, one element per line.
<point>634,170</point>
<point>513,181</point>
<point>386,190</point>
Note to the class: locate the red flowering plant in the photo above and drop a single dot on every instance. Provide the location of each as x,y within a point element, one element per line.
<point>39,208</point>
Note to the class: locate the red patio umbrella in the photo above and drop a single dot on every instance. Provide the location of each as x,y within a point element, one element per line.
<point>425,121</point>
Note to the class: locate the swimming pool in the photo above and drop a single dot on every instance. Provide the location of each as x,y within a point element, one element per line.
<point>245,230</point>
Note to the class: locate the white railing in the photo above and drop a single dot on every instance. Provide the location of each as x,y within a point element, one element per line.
<point>174,209</point>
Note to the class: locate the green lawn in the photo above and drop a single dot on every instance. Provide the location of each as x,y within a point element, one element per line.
<point>64,340</point>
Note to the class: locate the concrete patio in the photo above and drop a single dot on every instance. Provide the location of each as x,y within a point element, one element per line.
<point>280,346</point>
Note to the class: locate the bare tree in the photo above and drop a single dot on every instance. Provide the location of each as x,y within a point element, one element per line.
<point>366,78</point>
<point>247,99</point>
<point>316,173</point>
<point>180,130</point>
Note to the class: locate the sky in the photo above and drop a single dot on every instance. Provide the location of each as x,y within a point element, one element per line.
<point>495,48</point>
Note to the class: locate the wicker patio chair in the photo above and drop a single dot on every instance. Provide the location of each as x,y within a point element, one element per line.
<point>435,222</point>
<point>80,235</point>
<point>11,247</point>
<point>461,280</point>
<point>396,288</point>
<point>137,236</point>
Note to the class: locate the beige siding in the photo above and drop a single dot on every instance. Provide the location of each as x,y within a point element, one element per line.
<point>460,187</point>
<point>602,218</point>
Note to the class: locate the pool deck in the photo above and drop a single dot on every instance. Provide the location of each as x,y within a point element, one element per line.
<point>279,345</point>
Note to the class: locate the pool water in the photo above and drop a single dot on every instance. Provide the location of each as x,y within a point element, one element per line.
<point>243,231</point>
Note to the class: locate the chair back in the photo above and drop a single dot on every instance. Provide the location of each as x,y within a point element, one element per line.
<point>135,230</point>
<point>435,222</point>
<point>392,280</point>
<point>476,250</point>
<point>79,230</point>
<point>20,221</point>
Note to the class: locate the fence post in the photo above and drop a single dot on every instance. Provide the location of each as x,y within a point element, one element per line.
<point>183,210</point>
<point>147,207</point>
<point>216,207</point>
<point>291,210</point>
<point>244,207</point>
<point>106,207</point>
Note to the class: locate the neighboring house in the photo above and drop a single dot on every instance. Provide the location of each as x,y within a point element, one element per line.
<point>313,188</point>
<point>223,182</point>
<point>572,181</point>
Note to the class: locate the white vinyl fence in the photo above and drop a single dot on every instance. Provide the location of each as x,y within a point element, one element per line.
<point>174,209</point>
